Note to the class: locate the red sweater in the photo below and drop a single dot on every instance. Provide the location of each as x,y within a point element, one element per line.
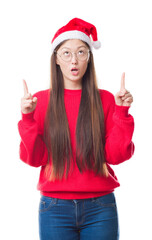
<point>119,126</point>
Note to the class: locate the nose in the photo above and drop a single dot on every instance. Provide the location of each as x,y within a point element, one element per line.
<point>74,58</point>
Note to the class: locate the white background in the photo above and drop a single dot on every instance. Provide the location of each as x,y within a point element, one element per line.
<point>26,30</point>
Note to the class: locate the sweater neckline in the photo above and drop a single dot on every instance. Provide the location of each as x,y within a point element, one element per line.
<point>72,91</point>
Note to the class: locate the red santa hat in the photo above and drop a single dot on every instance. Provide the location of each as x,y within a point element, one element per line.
<point>77,29</point>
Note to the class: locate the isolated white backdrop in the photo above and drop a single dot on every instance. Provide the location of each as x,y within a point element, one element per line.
<point>124,29</point>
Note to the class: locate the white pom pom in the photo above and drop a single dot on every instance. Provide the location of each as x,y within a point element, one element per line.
<point>96,44</point>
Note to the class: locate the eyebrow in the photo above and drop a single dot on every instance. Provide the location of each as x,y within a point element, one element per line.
<point>77,48</point>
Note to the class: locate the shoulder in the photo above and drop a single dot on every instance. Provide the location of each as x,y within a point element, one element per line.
<point>107,100</point>
<point>42,96</point>
<point>42,93</point>
<point>106,96</point>
<point>42,101</point>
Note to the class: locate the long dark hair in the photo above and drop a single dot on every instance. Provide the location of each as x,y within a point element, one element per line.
<point>90,130</point>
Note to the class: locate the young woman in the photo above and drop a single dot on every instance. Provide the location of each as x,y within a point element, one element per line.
<point>74,131</point>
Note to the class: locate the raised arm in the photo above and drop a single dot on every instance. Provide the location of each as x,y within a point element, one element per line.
<point>33,150</point>
<point>119,127</point>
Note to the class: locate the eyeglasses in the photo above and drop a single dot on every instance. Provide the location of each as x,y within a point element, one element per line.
<point>82,55</point>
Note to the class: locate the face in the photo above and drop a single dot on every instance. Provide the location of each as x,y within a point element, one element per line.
<point>73,69</point>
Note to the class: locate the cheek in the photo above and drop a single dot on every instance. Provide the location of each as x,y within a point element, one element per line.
<point>63,68</point>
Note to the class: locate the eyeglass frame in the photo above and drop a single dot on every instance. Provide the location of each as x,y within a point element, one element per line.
<point>72,56</point>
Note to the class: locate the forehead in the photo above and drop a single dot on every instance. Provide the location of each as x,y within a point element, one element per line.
<point>73,44</point>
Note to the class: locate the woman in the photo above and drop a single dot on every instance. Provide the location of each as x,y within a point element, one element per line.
<point>74,131</point>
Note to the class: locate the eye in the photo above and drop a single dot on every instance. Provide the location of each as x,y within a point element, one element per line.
<point>81,52</point>
<point>66,53</point>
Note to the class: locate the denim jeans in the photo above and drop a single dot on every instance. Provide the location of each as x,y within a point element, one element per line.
<point>83,219</point>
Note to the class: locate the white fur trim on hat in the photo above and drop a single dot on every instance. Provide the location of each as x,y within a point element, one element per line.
<point>71,35</point>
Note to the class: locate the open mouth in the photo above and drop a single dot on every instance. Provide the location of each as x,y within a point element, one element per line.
<point>74,70</point>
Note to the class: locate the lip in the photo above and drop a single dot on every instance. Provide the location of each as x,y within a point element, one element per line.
<point>74,71</point>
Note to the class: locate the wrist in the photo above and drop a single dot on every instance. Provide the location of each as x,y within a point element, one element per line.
<point>27,116</point>
<point>122,111</point>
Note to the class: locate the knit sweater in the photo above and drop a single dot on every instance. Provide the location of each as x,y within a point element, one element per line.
<point>119,127</point>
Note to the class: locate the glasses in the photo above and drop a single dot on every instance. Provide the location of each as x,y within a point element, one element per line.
<point>82,55</point>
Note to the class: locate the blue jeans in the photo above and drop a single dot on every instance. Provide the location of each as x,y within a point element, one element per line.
<point>83,219</point>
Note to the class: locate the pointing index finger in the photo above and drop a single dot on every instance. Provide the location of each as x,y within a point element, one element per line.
<point>122,81</point>
<point>25,87</point>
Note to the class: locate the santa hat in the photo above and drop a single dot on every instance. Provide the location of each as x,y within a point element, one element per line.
<point>77,29</point>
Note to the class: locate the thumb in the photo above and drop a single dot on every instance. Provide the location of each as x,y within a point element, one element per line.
<point>35,99</point>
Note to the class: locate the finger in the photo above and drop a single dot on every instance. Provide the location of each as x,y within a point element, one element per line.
<point>126,96</point>
<point>121,93</point>
<point>27,96</point>
<point>25,101</point>
<point>129,99</point>
<point>28,105</point>
<point>31,102</point>
<point>122,82</point>
<point>25,87</point>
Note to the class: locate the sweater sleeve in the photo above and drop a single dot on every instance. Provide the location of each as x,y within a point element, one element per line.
<point>33,150</point>
<point>119,131</point>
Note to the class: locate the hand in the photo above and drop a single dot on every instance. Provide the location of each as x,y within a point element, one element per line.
<point>28,103</point>
<point>123,97</point>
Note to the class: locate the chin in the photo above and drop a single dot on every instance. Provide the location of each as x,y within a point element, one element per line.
<point>75,78</point>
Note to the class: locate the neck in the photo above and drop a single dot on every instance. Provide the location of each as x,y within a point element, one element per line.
<point>68,88</point>
<point>73,85</point>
